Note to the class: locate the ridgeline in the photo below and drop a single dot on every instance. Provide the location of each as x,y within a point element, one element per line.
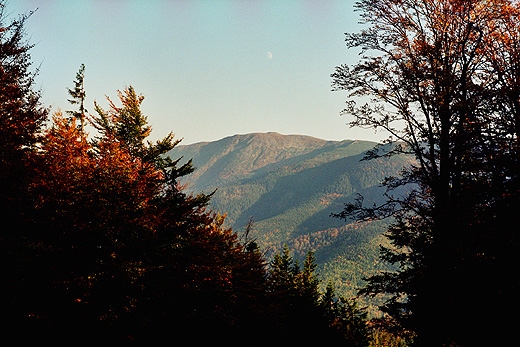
<point>288,186</point>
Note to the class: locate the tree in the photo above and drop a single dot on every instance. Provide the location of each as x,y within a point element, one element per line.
<point>21,115</point>
<point>128,125</point>
<point>120,251</point>
<point>78,96</point>
<point>22,118</point>
<point>202,280</point>
<point>346,319</point>
<point>429,70</point>
<point>298,311</point>
<point>92,206</point>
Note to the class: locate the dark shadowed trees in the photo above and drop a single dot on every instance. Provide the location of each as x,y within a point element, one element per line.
<point>299,312</point>
<point>21,116</point>
<point>21,120</point>
<point>440,77</point>
<point>122,251</point>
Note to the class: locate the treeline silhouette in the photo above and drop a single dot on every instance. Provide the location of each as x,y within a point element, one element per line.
<point>442,78</point>
<point>100,243</point>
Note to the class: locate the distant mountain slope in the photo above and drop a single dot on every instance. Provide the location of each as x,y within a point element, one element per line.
<point>289,185</point>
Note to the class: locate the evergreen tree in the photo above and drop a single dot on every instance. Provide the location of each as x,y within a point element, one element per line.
<point>347,319</point>
<point>22,118</point>
<point>128,125</point>
<point>78,96</point>
<point>21,115</point>
<point>301,313</point>
<point>92,207</point>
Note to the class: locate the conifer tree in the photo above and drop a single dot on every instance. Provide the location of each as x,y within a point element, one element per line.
<point>128,125</point>
<point>78,96</point>
<point>21,114</point>
<point>300,312</point>
<point>22,118</point>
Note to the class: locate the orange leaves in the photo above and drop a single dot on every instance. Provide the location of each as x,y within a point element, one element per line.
<point>118,233</point>
<point>66,163</point>
<point>65,147</point>
<point>102,179</point>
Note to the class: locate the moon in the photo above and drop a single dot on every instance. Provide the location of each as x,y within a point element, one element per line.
<point>269,55</point>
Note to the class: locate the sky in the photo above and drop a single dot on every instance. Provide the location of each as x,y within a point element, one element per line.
<point>208,69</point>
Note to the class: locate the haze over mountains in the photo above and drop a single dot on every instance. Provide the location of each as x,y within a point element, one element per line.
<point>289,185</point>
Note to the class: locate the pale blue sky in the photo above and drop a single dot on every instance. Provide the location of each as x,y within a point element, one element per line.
<point>208,69</point>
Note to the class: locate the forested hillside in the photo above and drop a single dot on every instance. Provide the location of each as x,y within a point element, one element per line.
<point>288,186</point>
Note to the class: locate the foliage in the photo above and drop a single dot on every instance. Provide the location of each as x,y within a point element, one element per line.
<point>439,77</point>
<point>297,304</point>
<point>21,115</point>
<point>22,118</point>
<point>382,338</point>
<point>78,96</point>
<point>108,236</point>
<point>121,247</point>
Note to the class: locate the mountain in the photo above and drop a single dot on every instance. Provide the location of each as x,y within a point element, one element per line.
<point>288,186</point>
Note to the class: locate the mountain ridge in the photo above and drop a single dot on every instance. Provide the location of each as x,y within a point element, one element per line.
<point>289,185</point>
